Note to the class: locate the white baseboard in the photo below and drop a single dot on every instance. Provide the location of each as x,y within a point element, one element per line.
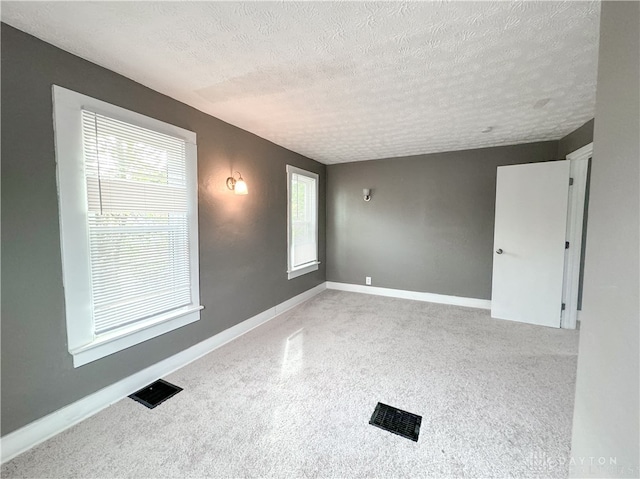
<point>44,428</point>
<point>415,295</point>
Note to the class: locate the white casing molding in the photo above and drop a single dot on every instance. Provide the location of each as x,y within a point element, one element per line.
<point>415,295</point>
<point>44,428</point>
<point>575,219</point>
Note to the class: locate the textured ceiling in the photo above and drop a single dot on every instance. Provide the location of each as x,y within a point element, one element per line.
<point>349,81</point>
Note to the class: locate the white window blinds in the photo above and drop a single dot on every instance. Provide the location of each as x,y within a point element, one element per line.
<point>137,220</point>
<point>303,220</point>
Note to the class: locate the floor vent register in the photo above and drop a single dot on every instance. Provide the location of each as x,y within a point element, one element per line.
<point>397,421</point>
<point>155,393</point>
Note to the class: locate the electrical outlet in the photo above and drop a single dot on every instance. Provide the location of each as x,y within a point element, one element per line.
<point>367,280</point>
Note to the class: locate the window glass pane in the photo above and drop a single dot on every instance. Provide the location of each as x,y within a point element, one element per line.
<point>303,219</point>
<point>138,222</point>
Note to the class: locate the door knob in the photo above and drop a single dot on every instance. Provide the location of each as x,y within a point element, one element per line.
<point>499,251</point>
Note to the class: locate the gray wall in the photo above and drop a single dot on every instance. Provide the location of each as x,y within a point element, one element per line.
<point>576,139</point>
<point>242,239</point>
<point>606,418</point>
<point>429,224</point>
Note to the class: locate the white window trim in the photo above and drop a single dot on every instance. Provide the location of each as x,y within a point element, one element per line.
<point>82,343</point>
<point>313,265</point>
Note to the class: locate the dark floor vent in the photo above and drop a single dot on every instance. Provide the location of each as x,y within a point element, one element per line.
<point>396,421</point>
<point>155,393</point>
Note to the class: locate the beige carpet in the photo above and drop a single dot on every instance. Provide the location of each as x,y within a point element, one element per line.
<point>293,398</point>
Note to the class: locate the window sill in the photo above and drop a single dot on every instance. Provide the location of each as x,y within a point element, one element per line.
<point>303,270</point>
<point>110,343</point>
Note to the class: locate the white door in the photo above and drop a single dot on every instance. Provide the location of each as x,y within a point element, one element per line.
<point>529,242</point>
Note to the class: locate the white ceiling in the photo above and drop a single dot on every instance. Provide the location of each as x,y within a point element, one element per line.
<point>349,81</point>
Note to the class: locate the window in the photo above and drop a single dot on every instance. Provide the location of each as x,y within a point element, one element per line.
<point>127,190</point>
<point>302,214</point>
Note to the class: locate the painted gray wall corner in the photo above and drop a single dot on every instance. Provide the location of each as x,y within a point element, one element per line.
<point>429,224</point>
<point>576,139</point>
<point>606,417</point>
<point>242,238</point>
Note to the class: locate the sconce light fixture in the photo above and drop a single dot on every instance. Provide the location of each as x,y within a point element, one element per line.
<point>367,194</point>
<point>238,186</point>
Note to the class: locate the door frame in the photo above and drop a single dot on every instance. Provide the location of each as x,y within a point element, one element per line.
<point>575,218</point>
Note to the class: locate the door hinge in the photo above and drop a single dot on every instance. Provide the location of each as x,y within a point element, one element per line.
<point>564,306</point>
<point>566,245</point>
<point>570,181</point>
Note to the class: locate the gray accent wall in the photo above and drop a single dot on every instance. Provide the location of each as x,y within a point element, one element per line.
<point>242,238</point>
<point>576,139</point>
<point>429,224</point>
<point>606,418</point>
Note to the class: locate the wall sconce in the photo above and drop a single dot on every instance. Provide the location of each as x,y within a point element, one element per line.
<point>367,194</point>
<point>238,186</point>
